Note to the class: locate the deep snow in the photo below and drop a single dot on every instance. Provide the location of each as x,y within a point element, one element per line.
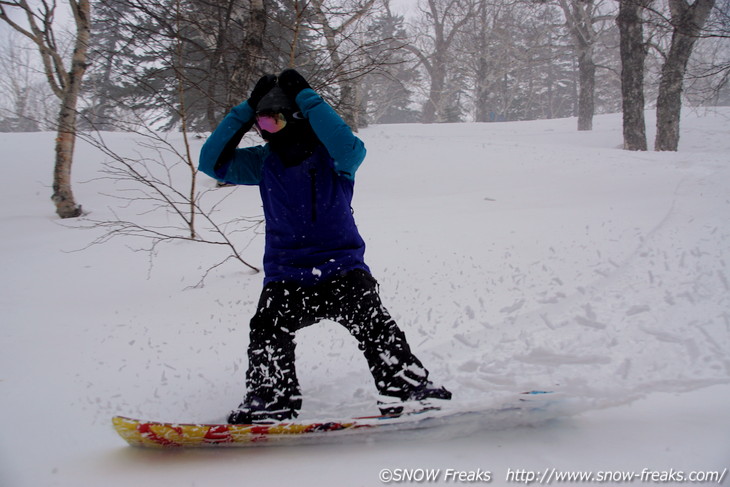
<point>514,255</point>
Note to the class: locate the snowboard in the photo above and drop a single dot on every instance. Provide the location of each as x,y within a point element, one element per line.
<point>154,434</point>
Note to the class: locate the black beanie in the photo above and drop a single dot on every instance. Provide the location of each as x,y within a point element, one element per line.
<point>275,101</point>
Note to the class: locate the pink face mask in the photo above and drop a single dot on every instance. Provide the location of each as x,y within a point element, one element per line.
<point>271,123</point>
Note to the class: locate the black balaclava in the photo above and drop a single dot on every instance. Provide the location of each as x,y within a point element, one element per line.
<point>296,141</point>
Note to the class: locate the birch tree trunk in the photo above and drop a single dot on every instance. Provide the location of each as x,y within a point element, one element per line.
<point>63,197</point>
<point>66,84</point>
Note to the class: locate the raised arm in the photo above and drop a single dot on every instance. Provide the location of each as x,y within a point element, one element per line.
<point>346,149</point>
<point>220,158</point>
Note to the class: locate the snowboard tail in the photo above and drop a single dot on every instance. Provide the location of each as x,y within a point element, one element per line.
<point>154,434</point>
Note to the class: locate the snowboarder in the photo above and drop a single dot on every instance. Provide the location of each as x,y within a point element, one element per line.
<point>314,267</point>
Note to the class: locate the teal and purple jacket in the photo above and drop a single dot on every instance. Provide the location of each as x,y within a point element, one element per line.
<point>310,229</point>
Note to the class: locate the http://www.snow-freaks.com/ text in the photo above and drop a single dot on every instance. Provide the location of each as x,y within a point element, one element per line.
<point>548,476</point>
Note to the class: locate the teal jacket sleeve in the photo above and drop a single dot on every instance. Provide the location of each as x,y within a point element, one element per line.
<point>346,149</point>
<point>222,160</point>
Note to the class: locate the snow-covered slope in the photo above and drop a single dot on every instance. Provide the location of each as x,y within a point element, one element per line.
<point>514,255</point>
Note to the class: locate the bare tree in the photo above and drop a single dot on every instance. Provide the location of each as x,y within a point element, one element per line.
<point>65,83</point>
<point>166,183</point>
<point>444,20</point>
<point>581,17</point>
<point>343,48</point>
<point>232,33</point>
<point>20,88</point>
<point>633,55</point>
<point>708,75</point>
<point>386,91</point>
<point>221,42</point>
<point>167,211</point>
<point>516,57</point>
<point>490,52</point>
<point>485,21</point>
<point>687,20</point>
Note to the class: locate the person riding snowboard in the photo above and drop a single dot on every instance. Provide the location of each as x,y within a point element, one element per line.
<point>314,266</point>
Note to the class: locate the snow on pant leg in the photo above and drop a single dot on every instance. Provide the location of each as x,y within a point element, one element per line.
<point>271,379</point>
<point>357,306</point>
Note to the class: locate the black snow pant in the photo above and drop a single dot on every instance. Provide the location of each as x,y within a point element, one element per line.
<point>352,300</point>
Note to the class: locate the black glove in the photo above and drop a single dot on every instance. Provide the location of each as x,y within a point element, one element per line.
<point>292,83</point>
<point>262,87</point>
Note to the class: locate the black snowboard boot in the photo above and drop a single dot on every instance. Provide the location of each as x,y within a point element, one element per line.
<point>419,399</point>
<point>255,411</point>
